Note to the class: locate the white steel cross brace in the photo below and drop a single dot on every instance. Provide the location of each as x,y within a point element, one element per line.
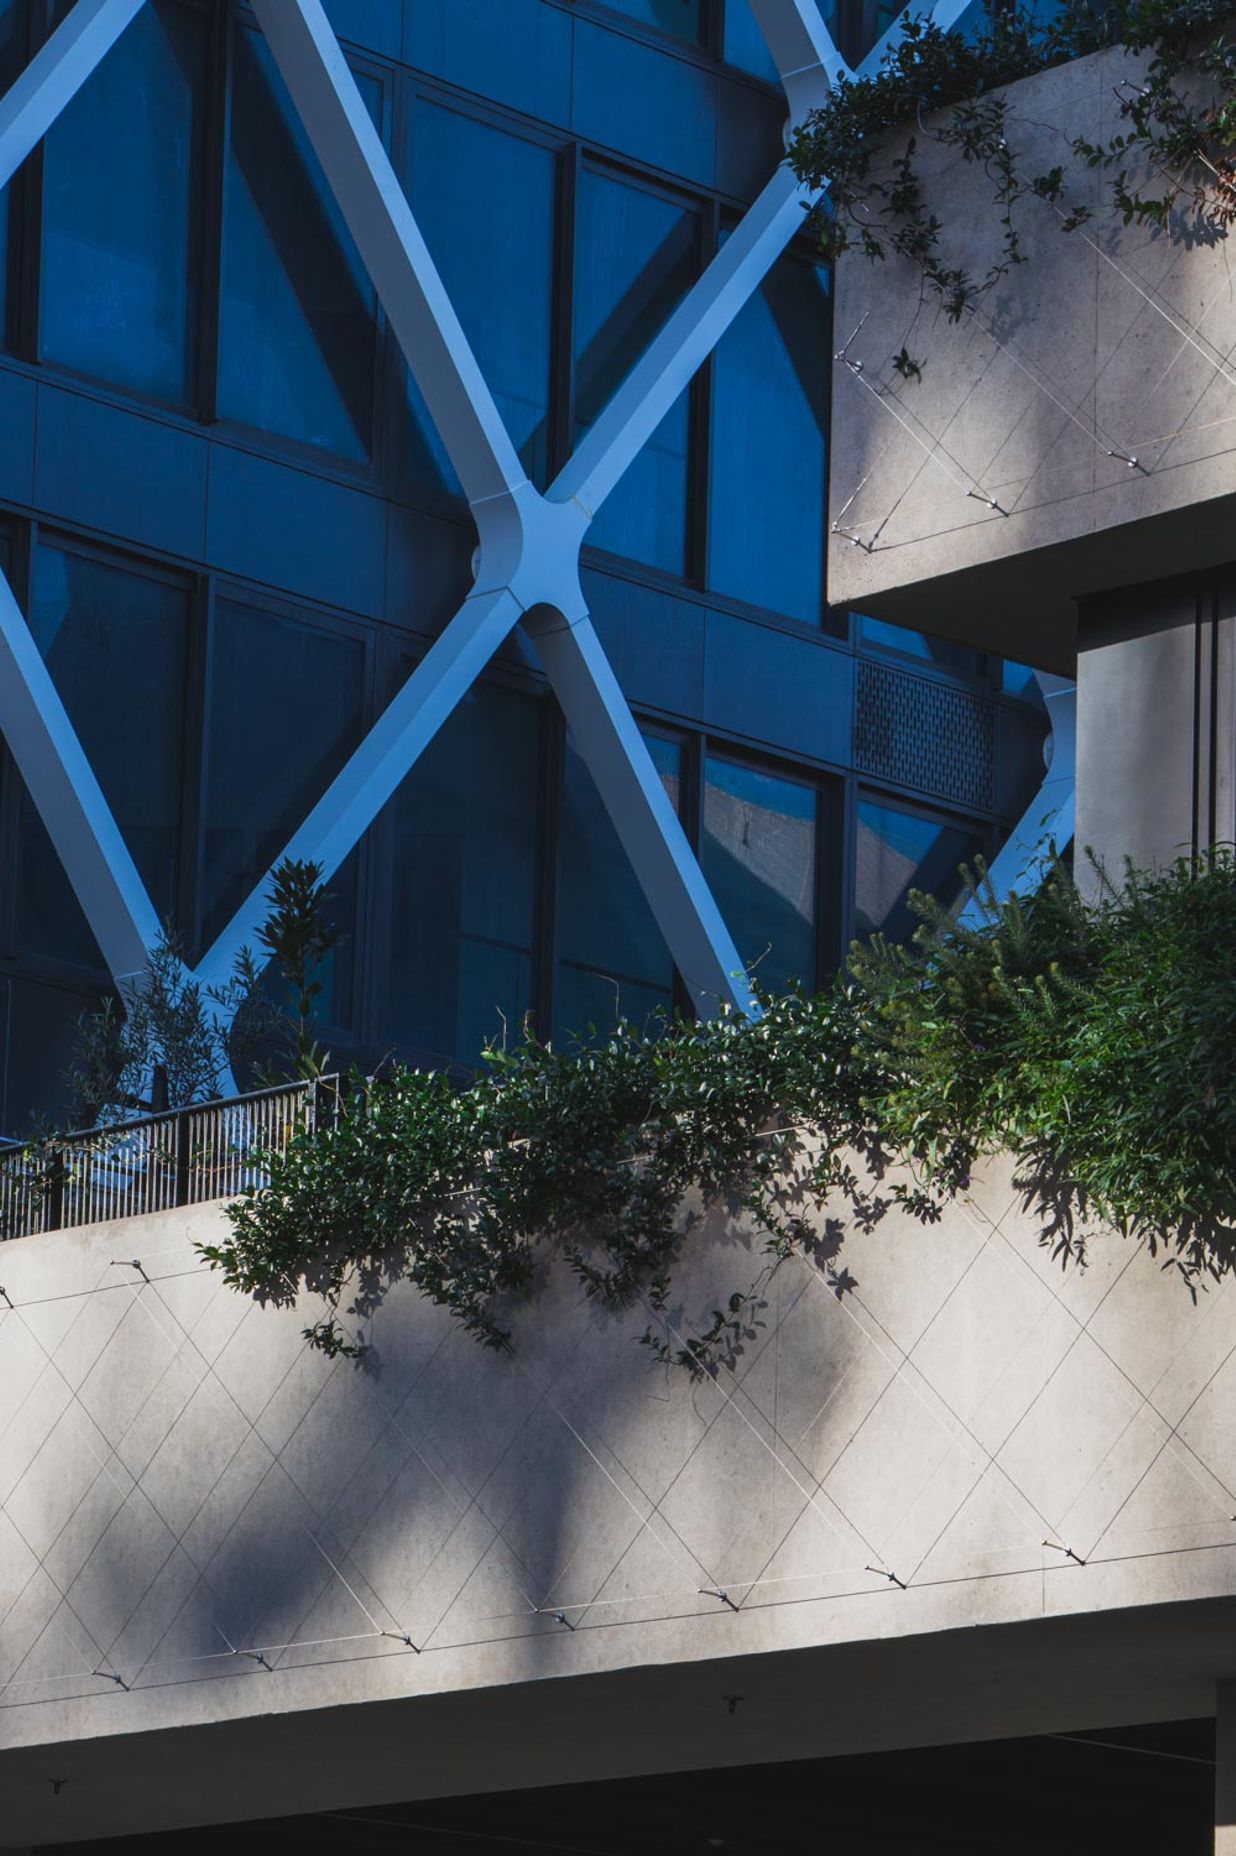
<point>528,558</point>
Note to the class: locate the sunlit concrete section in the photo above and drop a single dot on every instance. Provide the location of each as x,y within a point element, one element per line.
<point>972,1493</point>
<point>1074,432</point>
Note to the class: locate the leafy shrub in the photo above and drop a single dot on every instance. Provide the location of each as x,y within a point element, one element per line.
<point>1092,1040</point>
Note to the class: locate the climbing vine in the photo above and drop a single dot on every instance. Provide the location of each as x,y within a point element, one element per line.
<point>1177,115</point>
<point>1093,1041</point>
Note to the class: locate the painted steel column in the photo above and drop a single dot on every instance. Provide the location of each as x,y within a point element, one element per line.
<point>70,801</point>
<point>55,75</point>
<point>631,791</point>
<point>802,48</point>
<point>389,240</point>
<point>1046,825</point>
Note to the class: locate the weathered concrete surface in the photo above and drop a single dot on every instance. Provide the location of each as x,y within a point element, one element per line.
<point>1110,339</point>
<point>186,1488</point>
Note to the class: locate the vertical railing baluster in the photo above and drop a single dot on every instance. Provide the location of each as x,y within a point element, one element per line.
<point>53,1213</point>
<point>184,1130</point>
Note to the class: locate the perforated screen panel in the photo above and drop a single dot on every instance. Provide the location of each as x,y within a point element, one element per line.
<point>924,734</point>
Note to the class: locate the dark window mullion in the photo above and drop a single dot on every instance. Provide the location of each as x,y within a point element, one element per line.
<point>214,167</point>
<point>26,219</point>
<point>381,411</point>
<point>193,766</point>
<point>10,779</point>
<point>368,862</point>
<point>830,907</point>
<point>553,762</point>
<point>699,461</point>
<point>562,383</point>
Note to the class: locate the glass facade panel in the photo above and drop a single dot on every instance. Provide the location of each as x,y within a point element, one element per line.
<point>1020,680</point>
<point>116,645</point>
<point>744,44</point>
<point>769,479</point>
<point>121,196</point>
<point>759,856</point>
<point>38,1023</point>
<point>464,881</point>
<point>285,709</point>
<point>636,256</point>
<point>612,959</point>
<point>898,851</point>
<point>457,162</point>
<point>930,650</point>
<point>298,331</point>
<point>682,17</point>
<point>12,57</point>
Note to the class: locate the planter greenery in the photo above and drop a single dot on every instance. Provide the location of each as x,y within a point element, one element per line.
<point>1092,1041</point>
<point>1177,118</point>
<point>168,1041</point>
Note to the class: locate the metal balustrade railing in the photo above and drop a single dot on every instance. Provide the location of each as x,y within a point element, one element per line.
<point>153,1164</point>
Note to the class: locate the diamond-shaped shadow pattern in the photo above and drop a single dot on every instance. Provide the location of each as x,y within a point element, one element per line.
<point>188,1491</point>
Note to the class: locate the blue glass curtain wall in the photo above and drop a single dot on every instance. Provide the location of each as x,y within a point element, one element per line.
<point>95,623</point>
<point>637,253</point>
<point>286,707</point>
<point>759,854</point>
<point>13,31</point>
<point>122,185</point>
<point>899,849</point>
<point>187,254</point>
<point>612,959</point>
<point>744,43</point>
<point>682,17</point>
<point>464,836</point>
<point>298,317</point>
<point>769,446</point>
<point>485,201</point>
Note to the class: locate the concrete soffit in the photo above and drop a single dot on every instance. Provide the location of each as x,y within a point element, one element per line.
<point>527,564</point>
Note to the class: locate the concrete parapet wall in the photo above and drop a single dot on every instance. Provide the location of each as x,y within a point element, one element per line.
<point>1111,343</point>
<point>241,1531</point>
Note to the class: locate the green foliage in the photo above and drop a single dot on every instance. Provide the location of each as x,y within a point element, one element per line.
<point>166,1042</point>
<point>875,206</point>
<point>1092,1041</point>
<point>297,937</point>
<point>169,1041</point>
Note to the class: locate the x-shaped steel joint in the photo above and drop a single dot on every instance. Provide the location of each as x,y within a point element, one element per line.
<point>527,564</point>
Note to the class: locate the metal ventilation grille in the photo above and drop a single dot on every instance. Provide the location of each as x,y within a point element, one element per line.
<point>924,734</point>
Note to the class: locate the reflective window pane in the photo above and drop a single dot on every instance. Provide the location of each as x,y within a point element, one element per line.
<point>116,646</point>
<point>899,851</point>
<point>1020,680</point>
<point>297,340</point>
<point>682,17</point>
<point>612,958</point>
<point>745,45</point>
<point>285,709</point>
<point>464,881</point>
<point>923,645</point>
<point>456,163</point>
<point>12,58</point>
<point>636,256</point>
<point>121,197</point>
<point>759,856</point>
<point>38,1025</point>
<point>770,447</point>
